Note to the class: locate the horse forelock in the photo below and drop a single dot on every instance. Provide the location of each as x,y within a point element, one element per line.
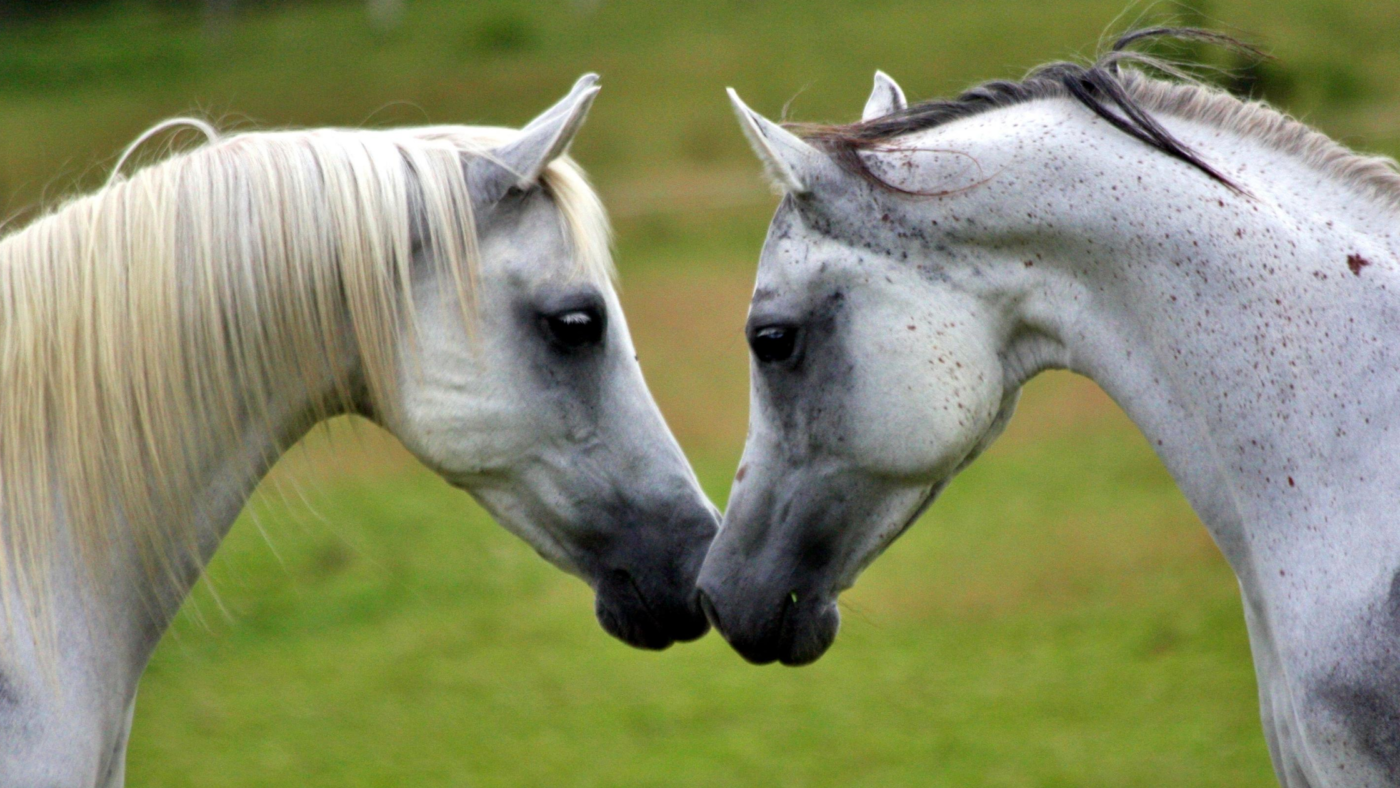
<point>142,323</point>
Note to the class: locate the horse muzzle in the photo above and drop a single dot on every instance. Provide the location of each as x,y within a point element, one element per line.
<point>645,589</point>
<point>773,624</point>
<point>647,620</point>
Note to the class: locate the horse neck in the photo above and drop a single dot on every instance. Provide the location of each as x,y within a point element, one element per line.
<point>105,598</point>
<point>96,638</point>
<point>229,471</point>
<point>1249,336</point>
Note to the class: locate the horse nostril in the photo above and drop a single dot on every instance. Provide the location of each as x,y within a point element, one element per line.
<point>710,612</point>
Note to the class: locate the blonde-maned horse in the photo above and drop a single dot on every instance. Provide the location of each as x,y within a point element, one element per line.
<point>164,339</point>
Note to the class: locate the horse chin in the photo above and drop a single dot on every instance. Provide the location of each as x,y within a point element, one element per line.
<point>810,636</point>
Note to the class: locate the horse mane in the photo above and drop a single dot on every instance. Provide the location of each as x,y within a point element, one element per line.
<point>1127,98</point>
<point>153,316</point>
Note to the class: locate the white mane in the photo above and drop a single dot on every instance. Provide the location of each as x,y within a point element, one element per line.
<point>147,320</point>
<point>1375,176</point>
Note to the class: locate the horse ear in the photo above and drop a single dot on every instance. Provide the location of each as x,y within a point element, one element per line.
<point>547,137</point>
<point>789,160</point>
<point>885,99</point>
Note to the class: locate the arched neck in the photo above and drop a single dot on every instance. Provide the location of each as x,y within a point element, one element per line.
<point>1252,345</point>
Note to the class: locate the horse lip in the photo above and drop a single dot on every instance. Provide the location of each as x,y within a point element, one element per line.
<point>623,612</point>
<point>627,613</point>
<point>820,637</point>
<point>701,624</point>
<point>756,652</point>
<point>799,624</point>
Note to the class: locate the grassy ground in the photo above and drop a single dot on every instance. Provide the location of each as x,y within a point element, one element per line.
<point>1059,618</point>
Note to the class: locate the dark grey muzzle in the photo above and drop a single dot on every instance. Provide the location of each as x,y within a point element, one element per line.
<point>645,579</point>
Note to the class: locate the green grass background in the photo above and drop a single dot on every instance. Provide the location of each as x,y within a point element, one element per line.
<point>1058,618</point>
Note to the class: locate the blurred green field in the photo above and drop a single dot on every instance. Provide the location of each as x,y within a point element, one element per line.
<point>1059,618</point>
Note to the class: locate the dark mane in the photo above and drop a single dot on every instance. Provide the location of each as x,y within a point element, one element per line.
<point>1099,86</point>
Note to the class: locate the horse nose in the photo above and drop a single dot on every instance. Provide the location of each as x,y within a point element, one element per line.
<point>709,591</point>
<point>773,624</point>
<point>708,608</point>
<point>758,635</point>
<point>646,592</point>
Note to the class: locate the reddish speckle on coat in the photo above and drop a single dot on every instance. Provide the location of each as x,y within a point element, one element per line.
<point>910,327</point>
<point>1290,481</point>
<point>1356,262</point>
<point>743,471</point>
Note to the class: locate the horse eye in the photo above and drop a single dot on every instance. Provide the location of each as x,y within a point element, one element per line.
<point>773,343</point>
<point>576,328</point>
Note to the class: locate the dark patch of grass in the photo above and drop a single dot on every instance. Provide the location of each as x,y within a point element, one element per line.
<point>96,50</point>
<point>502,34</point>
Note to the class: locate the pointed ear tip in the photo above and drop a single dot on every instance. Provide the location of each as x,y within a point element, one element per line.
<point>881,78</point>
<point>587,80</point>
<point>740,107</point>
<point>580,106</point>
<point>583,101</point>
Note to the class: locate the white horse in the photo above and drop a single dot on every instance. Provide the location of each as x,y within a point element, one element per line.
<point>1229,276</point>
<point>162,341</point>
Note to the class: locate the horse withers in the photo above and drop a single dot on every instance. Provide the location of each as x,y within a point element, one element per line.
<point>1229,276</point>
<point>165,338</point>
